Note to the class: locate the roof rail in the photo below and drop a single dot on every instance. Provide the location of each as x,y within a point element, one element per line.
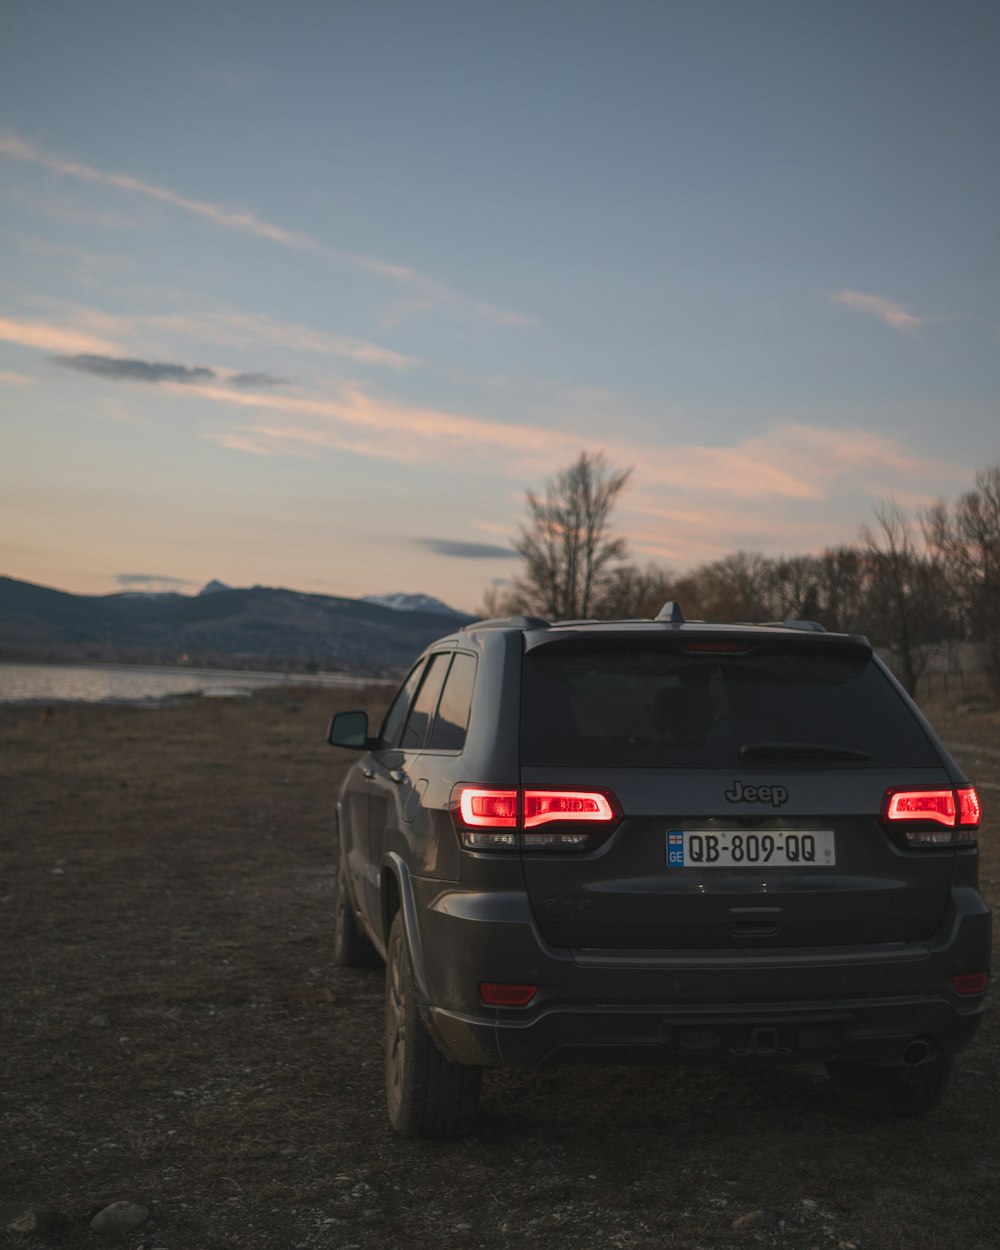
<point>814,626</point>
<point>671,613</point>
<point>509,622</point>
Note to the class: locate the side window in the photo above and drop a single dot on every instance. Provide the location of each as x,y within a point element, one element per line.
<point>448,730</point>
<point>393,723</point>
<point>415,730</point>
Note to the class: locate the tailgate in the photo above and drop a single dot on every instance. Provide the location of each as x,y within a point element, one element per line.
<point>682,872</point>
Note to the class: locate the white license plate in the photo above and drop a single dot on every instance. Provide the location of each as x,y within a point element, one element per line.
<point>770,848</point>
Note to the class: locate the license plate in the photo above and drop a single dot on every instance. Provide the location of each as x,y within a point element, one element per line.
<point>771,848</point>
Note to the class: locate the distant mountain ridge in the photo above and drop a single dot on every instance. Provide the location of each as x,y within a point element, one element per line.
<point>401,602</point>
<point>260,626</point>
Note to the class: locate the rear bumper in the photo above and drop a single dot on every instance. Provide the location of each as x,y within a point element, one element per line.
<point>691,1006</point>
<point>876,1032</point>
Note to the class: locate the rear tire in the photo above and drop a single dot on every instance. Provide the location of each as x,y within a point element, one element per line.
<point>895,1092</point>
<point>427,1094</point>
<point>351,949</point>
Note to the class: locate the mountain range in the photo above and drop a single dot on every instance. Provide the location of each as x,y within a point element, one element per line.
<point>257,627</point>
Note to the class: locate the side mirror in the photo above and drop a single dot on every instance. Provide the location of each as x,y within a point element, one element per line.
<point>350,729</point>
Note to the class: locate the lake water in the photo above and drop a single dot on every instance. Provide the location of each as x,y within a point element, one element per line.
<point>127,683</point>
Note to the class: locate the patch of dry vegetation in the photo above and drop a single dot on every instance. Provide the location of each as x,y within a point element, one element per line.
<point>174,1033</point>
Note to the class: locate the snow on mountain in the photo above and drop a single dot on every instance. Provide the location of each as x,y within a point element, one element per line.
<point>401,602</point>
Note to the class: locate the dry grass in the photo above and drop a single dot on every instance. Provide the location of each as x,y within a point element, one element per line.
<point>169,871</point>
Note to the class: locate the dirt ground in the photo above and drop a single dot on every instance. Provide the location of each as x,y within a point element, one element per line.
<point>174,1034</point>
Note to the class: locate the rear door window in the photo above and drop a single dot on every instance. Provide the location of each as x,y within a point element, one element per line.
<point>452,720</point>
<point>658,707</point>
<point>395,717</point>
<point>425,704</point>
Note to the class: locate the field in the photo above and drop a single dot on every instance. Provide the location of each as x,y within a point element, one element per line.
<point>174,1034</point>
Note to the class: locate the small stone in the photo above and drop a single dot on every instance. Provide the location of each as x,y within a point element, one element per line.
<point>27,1220</point>
<point>100,1022</point>
<point>754,1219</point>
<point>119,1217</point>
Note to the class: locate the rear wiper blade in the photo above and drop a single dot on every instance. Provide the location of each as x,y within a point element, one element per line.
<point>799,750</point>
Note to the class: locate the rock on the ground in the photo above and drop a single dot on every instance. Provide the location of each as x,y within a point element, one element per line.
<point>754,1219</point>
<point>119,1217</point>
<point>26,1220</point>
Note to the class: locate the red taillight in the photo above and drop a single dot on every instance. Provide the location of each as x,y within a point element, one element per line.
<point>486,820</point>
<point>541,806</point>
<point>488,808</point>
<point>934,817</point>
<point>938,805</point>
<point>503,994</point>
<point>539,820</point>
<point>969,810</point>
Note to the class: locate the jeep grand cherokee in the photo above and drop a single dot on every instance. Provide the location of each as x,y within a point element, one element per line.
<point>659,841</point>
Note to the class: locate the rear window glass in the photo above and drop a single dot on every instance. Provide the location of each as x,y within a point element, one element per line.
<point>648,707</point>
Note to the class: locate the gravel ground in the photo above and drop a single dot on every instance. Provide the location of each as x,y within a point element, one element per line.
<point>175,1036</point>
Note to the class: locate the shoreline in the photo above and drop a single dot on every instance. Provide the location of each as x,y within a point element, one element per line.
<point>29,683</point>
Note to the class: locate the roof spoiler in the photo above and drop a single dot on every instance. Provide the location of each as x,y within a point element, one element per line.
<point>509,622</point>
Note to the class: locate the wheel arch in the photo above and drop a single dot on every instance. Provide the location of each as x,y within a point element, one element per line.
<point>397,896</point>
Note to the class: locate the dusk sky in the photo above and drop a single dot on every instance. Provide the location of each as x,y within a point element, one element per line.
<point>308,294</point>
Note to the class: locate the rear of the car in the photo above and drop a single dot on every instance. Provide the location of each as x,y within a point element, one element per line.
<point>722,843</point>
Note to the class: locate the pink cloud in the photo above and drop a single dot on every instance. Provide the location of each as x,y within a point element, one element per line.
<point>894,315</point>
<point>54,338</point>
<point>243,330</point>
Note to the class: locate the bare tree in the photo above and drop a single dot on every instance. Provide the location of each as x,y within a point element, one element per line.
<point>967,541</point>
<point>841,589</point>
<point>631,591</point>
<point>904,598</point>
<point>568,551</point>
<point>735,588</point>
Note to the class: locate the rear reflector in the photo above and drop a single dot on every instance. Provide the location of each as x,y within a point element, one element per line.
<point>502,994</point>
<point>970,982</point>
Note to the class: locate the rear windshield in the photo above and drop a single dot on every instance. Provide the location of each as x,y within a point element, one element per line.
<point>647,708</point>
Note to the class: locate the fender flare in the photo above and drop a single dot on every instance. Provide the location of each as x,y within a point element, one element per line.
<point>407,905</point>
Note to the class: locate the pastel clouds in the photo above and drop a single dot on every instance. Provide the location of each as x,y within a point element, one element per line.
<point>219,325</point>
<point>894,315</point>
<point>419,434</point>
<point>63,340</point>
<point>231,328</point>
<point>245,221</point>
<point>675,489</point>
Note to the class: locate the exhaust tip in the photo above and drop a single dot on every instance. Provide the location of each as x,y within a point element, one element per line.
<point>917,1052</point>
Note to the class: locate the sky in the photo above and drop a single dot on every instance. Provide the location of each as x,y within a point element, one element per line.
<point>309,295</point>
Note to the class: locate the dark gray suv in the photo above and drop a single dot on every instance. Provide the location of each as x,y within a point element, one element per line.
<point>659,841</point>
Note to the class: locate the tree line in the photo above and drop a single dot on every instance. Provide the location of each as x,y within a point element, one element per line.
<point>910,581</point>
